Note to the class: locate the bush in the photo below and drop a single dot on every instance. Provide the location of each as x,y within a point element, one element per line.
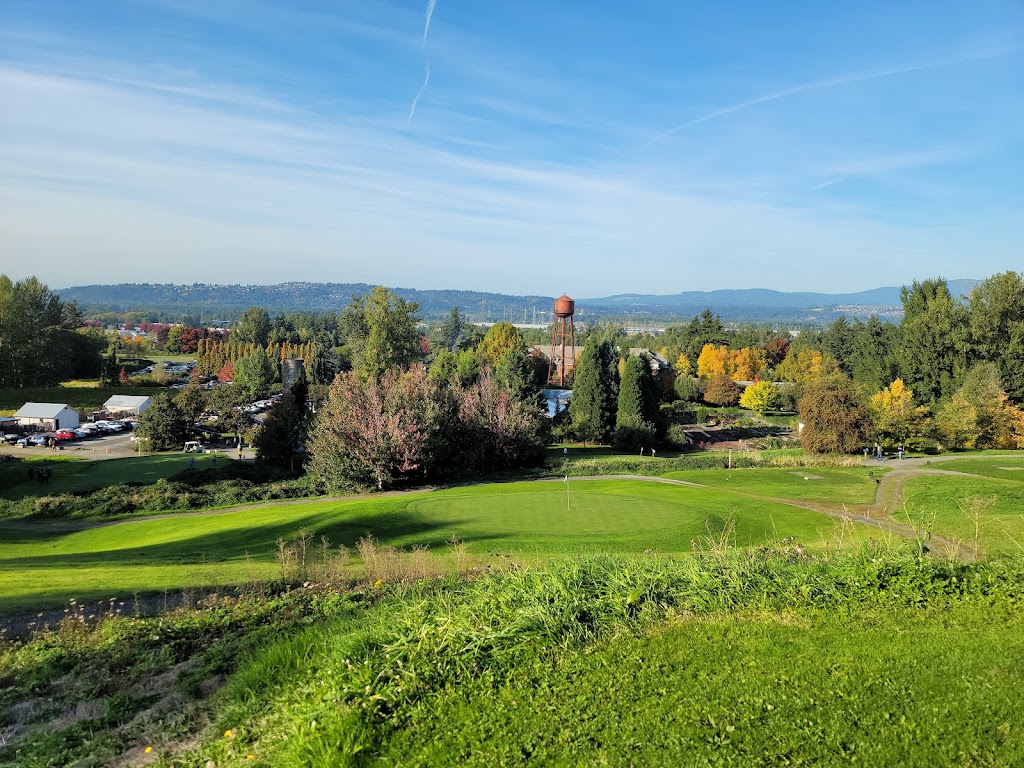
<point>634,436</point>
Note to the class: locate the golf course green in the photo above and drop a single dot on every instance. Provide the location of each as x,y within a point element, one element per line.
<point>45,563</point>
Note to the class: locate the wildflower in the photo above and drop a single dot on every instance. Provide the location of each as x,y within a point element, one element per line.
<point>228,733</point>
<point>250,757</point>
<point>148,750</point>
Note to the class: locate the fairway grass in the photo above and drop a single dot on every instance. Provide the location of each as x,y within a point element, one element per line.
<point>848,485</point>
<point>71,475</point>
<point>44,563</point>
<point>945,505</point>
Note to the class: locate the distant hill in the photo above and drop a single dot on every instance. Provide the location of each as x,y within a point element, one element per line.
<point>209,303</point>
<point>762,297</point>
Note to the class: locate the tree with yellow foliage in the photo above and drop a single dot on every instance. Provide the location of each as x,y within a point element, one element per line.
<point>748,364</point>
<point>895,417</point>
<point>683,366</point>
<point>807,365</point>
<point>713,361</point>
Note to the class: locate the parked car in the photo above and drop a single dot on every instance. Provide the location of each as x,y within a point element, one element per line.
<point>40,439</point>
<point>10,439</point>
<point>81,433</point>
<point>22,442</point>
<point>65,434</point>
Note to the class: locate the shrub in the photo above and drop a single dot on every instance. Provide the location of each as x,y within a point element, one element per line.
<point>634,435</point>
<point>721,390</point>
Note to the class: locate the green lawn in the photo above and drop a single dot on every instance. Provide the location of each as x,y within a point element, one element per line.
<point>847,485</point>
<point>70,474</point>
<point>1006,468</point>
<point>945,504</point>
<point>896,687</point>
<point>45,563</point>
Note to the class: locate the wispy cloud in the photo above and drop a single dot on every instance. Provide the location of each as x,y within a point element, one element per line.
<point>430,14</point>
<point>817,85</point>
<point>431,4</point>
<point>419,93</point>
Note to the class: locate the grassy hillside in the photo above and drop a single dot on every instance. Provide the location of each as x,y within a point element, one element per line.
<point>44,563</point>
<point>745,658</point>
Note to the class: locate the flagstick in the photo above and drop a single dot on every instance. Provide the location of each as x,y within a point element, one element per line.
<point>567,507</point>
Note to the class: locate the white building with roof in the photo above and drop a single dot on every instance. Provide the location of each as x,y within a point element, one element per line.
<point>127,405</point>
<point>48,416</point>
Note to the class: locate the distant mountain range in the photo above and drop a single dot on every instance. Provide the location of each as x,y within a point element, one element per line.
<point>210,303</point>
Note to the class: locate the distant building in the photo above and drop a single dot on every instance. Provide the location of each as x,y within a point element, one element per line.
<point>47,416</point>
<point>127,405</point>
<point>658,363</point>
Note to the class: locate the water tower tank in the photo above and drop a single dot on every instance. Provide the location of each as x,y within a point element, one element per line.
<point>564,306</point>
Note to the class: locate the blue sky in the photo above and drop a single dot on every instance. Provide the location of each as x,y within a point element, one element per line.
<point>594,148</point>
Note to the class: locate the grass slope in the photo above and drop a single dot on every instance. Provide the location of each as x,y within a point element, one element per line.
<point>749,659</point>
<point>894,687</point>
<point>946,505</point>
<point>44,563</point>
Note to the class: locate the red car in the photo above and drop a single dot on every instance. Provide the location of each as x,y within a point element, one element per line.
<point>64,434</point>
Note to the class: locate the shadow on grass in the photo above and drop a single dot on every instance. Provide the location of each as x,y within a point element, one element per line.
<point>260,541</point>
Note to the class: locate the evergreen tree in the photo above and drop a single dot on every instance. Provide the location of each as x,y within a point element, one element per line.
<point>281,439</point>
<point>837,341</point>
<point>451,330</point>
<point>932,352</point>
<point>637,419</point>
<point>588,401</point>
<point>997,328</point>
<point>871,362</point>
<point>515,372</point>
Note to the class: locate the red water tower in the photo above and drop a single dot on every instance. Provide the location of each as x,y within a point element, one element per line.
<point>561,331</point>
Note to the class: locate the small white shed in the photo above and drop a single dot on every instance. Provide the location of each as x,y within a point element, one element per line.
<point>127,405</point>
<point>49,416</point>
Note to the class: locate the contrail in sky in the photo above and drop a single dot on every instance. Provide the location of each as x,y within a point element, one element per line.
<point>412,109</point>
<point>426,79</point>
<point>814,86</point>
<point>430,12</point>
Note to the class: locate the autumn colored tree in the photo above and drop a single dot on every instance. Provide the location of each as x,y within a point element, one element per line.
<point>805,365</point>
<point>747,364</point>
<point>776,349</point>
<point>122,378</point>
<point>227,373</point>
<point>499,431</point>
<point>721,390</point>
<point>895,416</point>
<point>713,361</point>
<point>500,338</point>
<point>367,432</point>
<point>834,420</point>
<point>761,396</point>
<point>683,365</point>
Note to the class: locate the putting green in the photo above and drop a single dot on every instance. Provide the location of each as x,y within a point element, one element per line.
<point>43,563</point>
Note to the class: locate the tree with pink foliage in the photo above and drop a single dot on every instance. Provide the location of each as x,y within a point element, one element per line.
<point>368,431</point>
